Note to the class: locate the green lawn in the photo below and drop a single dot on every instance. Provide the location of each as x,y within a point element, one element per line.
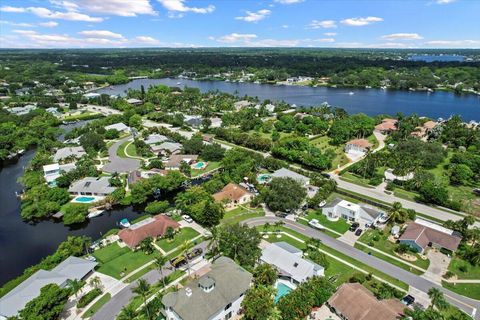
<point>341,226</point>
<point>180,237</point>
<point>117,262</point>
<point>212,165</point>
<point>97,305</point>
<point>121,150</point>
<point>131,150</point>
<point>471,290</point>
<point>470,271</point>
<point>241,213</point>
<point>380,242</point>
<point>323,143</point>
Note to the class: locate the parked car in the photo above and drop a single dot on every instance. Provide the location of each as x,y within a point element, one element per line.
<point>194,253</point>
<point>358,232</point>
<point>187,218</point>
<point>315,224</point>
<point>323,203</point>
<point>178,262</point>
<point>354,226</point>
<point>408,300</point>
<point>281,214</point>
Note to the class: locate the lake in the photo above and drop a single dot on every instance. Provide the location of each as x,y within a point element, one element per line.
<point>369,101</point>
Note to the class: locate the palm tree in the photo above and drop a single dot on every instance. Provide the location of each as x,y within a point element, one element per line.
<point>213,246</point>
<point>146,245</point>
<point>127,313</point>
<point>160,261</point>
<point>313,242</point>
<point>396,212</point>
<point>142,290</point>
<point>437,298</point>
<point>95,282</point>
<point>278,224</point>
<point>185,247</point>
<point>75,285</point>
<point>266,227</point>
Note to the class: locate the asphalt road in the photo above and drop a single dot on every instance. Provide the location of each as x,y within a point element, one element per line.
<point>464,303</point>
<point>112,308</point>
<point>117,164</point>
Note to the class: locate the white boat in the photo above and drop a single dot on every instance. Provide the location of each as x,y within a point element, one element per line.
<point>179,83</point>
<point>95,213</point>
<point>351,93</point>
<point>125,223</point>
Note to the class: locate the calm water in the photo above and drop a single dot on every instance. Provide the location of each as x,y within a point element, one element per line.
<point>369,101</point>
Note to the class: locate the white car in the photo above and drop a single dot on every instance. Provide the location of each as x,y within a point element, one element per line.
<point>383,218</point>
<point>321,204</point>
<point>315,224</point>
<point>187,218</point>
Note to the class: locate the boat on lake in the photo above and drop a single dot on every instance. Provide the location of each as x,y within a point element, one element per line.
<point>124,223</point>
<point>95,213</point>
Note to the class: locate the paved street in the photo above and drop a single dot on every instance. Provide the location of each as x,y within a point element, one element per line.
<point>117,164</point>
<point>112,308</point>
<point>464,303</point>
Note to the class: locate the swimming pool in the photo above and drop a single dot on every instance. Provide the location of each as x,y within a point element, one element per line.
<point>200,165</point>
<point>84,199</point>
<point>282,289</point>
<point>264,178</point>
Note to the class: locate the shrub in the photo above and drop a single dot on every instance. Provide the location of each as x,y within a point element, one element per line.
<point>88,297</point>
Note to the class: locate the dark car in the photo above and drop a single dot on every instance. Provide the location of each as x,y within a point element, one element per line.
<point>358,232</point>
<point>194,253</point>
<point>408,300</point>
<point>178,262</point>
<point>354,226</point>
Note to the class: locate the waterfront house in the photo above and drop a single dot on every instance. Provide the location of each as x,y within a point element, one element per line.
<point>387,126</point>
<point>19,111</point>
<point>353,301</point>
<point>339,208</point>
<point>422,234</point>
<point>423,131</point>
<point>217,295</point>
<point>120,127</point>
<point>233,195</point>
<point>91,186</point>
<point>154,227</point>
<point>52,171</point>
<point>136,175</point>
<point>69,153</point>
<point>358,146</point>
<point>285,173</point>
<point>241,104</point>
<point>72,268</point>
<point>134,102</point>
<point>288,261</point>
<point>176,159</point>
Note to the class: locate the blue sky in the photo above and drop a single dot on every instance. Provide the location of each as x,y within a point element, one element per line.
<point>239,23</point>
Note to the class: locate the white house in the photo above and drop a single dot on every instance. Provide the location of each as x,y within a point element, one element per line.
<point>120,127</point>
<point>69,152</point>
<point>52,171</point>
<point>289,262</point>
<point>339,208</point>
<point>91,186</point>
<point>134,102</point>
<point>217,295</point>
<point>22,110</point>
<point>358,146</point>
<point>155,138</point>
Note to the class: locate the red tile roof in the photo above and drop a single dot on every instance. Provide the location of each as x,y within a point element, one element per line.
<point>360,143</point>
<point>152,227</point>
<point>387,125</point>
<point>232,192</point>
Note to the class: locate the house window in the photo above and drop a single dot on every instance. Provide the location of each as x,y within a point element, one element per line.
<point>228,306</point>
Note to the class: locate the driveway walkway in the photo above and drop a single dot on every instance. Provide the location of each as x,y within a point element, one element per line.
<point>464,303</point>
<point>118,164</point>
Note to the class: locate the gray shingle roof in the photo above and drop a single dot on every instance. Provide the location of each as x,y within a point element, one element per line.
<point>285,173</point>
<point>333,203</point>
<point>64,153</point>
<point>74,268</point>
<point>231,281</point>
<point>93,185</point>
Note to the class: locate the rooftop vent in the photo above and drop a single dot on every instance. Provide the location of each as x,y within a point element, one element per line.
<point>295,264</point>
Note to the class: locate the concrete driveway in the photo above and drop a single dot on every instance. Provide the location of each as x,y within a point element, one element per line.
<point>438,265</point>
<point>118,164</point>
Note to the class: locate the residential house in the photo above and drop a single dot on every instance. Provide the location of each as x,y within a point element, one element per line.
<point>91,95</point>
<point>193,121</point>
<point>176,159</point>
<point>233,195</point>
<point>120,127</point>
<point>92,186</point>
<point>216,122</point>
<point>155,138</point>
<point>52,171</point>
<point>217,295</point>
<point>339,208</point>
<point>167,148</point>
<point>69,153</point>
<point>423,131</point>
<point>72,268</point>
<point>154,227</point>
<point>239,105</point>
<point>136,175</point>
<point>422,234</point>
<point>19,111</point>
<point>358,146</point>
<point>285,173</point>
<point>134,102</point>
<point>387,126</point>
<point>289,263</point>
<point>353,301</point>
<point>53,111</point>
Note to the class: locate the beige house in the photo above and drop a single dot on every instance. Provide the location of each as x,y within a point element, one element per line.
<point>233,195</point>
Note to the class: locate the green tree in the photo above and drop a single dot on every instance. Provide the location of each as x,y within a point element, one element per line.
<point>142,289</point>
<point>264,275</point>
<point>75,286</point>
<point>397,214</point>
<point>146,245</point>
<point>185,248</point>
<point>135,121</point>
<point>128,312</point>
<point>460,174</point>
<point>75,213</point>
<point>185,169</point>
<point>258,303</point>
<point>160,262</point>
<point>284,194</point>
<point>437,299</point>
<point>240,243</point>
<point>48,305</point>
<point>157,207</point>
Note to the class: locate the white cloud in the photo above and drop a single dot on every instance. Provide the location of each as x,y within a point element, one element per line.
<point>255,16</point>
<point>324,40</point>
<point>402,36</point>
<point>360,22</point>
<point>285,26</point>
<point>235,37</point>
<point>326,24</point>
<point>179,6</point>
<point>24,32</point>
<point>101,34</point>
<point>17,24</point>
<point>330,34</point>
<point>454,43</point>
<point>69,15</point>
<point>12,9</point>
<point>124,8</point>
<point>49,24</point>
<point>147,40</point>
<point>444,1</point>
<point>288,1</point>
